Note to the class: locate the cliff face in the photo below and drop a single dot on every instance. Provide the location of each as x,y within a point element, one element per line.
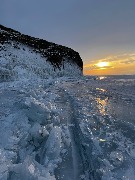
<point>56,55</point>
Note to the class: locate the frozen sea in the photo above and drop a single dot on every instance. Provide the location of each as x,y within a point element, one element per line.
<point>68,128</point>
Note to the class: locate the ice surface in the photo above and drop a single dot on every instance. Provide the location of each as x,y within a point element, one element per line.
<point>65,128</point>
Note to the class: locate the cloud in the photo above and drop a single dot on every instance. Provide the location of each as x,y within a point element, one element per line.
<point>113,61</point>
<point>94,67</point>
<point>121,57</point>
<point>130,61</point>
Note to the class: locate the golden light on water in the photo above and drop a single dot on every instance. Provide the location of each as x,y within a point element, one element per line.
<point>102,64</point>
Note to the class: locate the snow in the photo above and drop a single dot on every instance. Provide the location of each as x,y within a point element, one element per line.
<point>23,64</point>
<point>71,128</point>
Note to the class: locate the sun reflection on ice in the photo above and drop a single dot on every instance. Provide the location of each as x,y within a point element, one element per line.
<point>102,104</point>
<point>100,89</point>
<point>102,77</point>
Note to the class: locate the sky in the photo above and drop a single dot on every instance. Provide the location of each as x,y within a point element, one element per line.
<point>100,30</point>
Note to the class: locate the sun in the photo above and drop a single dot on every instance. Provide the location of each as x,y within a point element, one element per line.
<point>102,64</point>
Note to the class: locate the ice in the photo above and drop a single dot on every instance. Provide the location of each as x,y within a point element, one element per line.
<point>20,64</point>
<point>116,157</point>
<point>65,128</point>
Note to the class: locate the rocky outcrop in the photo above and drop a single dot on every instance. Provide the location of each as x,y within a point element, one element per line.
<point>51,52</point>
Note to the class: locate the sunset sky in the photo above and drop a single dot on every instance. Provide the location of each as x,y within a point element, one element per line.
<point>102,31</point>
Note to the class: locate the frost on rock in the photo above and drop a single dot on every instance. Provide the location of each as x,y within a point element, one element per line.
<point>17,64</point>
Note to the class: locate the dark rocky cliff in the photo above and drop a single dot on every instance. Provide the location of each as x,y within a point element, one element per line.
<point>56,54</point>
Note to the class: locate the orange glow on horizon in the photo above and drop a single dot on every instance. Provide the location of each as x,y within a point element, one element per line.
<point>112,65</point>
